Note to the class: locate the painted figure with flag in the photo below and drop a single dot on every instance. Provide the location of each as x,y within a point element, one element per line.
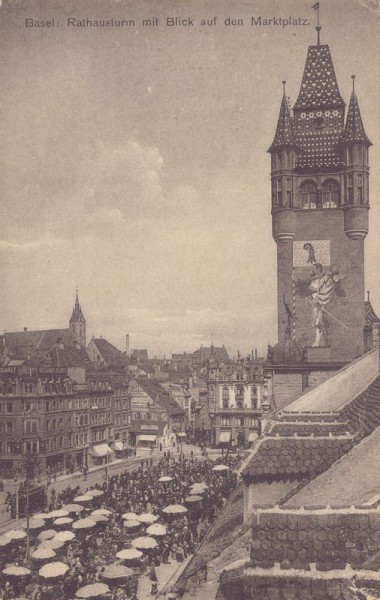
<point>321,289</point>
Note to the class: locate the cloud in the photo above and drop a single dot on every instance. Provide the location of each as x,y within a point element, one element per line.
<point>47,242</point>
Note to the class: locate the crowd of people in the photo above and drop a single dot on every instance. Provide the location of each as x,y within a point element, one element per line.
<point>139,491</point>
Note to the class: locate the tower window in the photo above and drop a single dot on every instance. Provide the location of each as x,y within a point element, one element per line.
<point>288,192</point>
<point>308,193</point>
<point>330,194</point>
<point>350,189</point>
<point>278,192</point>
<point>360,192</point>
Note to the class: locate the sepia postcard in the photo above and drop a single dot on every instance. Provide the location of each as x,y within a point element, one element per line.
<point>190,299</point>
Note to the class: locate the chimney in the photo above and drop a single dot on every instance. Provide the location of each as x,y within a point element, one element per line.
<point>25,329</point>
<point>127,344</point>
<point>60,343</point>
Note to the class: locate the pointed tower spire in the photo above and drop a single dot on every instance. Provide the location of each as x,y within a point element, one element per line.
<point>284,132</point>
<point>354,128</point>
<point>77,323</point>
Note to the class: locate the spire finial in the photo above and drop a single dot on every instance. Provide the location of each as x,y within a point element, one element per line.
<point>318,27</point>
<point>353,82</point>
<point>367,295</point>
<point>283,86</point>
<point>76,295</point>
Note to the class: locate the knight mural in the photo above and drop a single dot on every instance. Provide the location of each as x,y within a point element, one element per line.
<point>318,289</point>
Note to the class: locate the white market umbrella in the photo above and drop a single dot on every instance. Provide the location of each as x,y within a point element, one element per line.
<point>54,544</point>
<point>144,543</point>
<point>48,534</point>
<point>4,541</point>
<point>102,511</point>
<point>63,521</point>
<point>36,523</point>
<point>86,523</point>
<point>132,524</point>
<point>16,571</point>
<point>72,508</point>
<point>147,518</point>
<point>41,516</point>
<point>99,518</point>
<point>56,514</point>
<point>95,493</point>
<point>175,509</point>
<point>43,553</point>
<point>83,498</point>
<point>165,479</point>
<point>129,516</point>
<point>129,554</point>
<point>220,468</point>
<point>15,534</point>
<point>156,529</point>
<point>53,569</point>
<point>116,571</point>
<point>64,536</point>
<point>93,590</point>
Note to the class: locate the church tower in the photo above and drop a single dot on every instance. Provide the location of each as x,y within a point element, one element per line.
<point>319,178</point>
<point>77,323</point>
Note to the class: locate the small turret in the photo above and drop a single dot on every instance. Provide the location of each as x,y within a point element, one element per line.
<point>355,144</point>
<point>283,153</point>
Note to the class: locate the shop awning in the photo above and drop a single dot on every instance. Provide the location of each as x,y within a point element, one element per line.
<point>101,450</point>
<point>253,435</point>
<point>225,437</point>
<point>146,438</point>
<point>118,445</point>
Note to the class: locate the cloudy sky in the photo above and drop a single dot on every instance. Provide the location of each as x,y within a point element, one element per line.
<point>134,164</point>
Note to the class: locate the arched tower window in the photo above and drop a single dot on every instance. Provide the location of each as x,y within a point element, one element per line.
<point>330,194</point>
<point>308,194</point>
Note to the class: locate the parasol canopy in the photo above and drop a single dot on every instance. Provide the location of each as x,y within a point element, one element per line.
<point>54,544</point>
<point>132,524</point>
<point>116,571</point>
<point>147,518</point>
<point>144,543</point>
<point>99,518</point>
<point>41,516</point>
<point>86,523</point>
<point>83,498</point>
<point>165,478</point>
<point>43,553</point>
<point>175,509</point>
<point>56,514</point>
<point>156,529</point>
<point>63,521</point>
<point>64,536</point>
<point>16,571</point>
<point>4,541</point>
<point>73,508</point>
<point>102,511</point>
<point>94,493</point>
<point>53,569</point>
<point>198,489</point>
<point>128,516</point>
<point>220,468</point>
<point>93,590</point>
<point>194,499</point>
<point>15,534</point>
<point>36,523</point>
<point>48,534</point>
<point>129,554</point>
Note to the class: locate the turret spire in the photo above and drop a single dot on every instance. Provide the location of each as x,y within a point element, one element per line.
<point>284,135</point>
<point>354,129</point>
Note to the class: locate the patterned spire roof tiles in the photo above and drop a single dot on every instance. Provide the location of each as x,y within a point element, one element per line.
<point>319,87</point>
<point>284,135</point>
<point>370,315</point>
<point>354,129</point>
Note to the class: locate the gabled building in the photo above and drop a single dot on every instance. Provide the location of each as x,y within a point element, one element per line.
<point>104,354</point>
<point>156,417</point>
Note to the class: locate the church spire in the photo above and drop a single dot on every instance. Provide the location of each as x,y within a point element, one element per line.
<point>284,132</point>
<point>354,128</point>
<point>77,323</point>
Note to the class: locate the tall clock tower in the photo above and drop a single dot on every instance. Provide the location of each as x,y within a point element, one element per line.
<point>320,204</point>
